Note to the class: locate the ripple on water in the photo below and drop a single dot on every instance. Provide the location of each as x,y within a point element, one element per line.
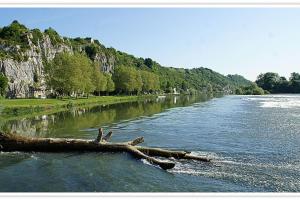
<point>253,142</point>
<point>268,176</point>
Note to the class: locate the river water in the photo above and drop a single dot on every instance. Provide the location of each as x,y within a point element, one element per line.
<point>254,142</point>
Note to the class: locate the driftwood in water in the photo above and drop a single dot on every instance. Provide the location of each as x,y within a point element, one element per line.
<point>13,142</point>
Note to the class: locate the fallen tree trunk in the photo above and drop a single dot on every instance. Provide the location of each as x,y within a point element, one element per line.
<point>13,142</point>
<point>168,154</point>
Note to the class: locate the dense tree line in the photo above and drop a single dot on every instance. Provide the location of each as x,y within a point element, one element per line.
<point>252,89</point>
<point>76,75</point>
<point>273,83</point>
<point>130,80</point>
<point>70,74</point>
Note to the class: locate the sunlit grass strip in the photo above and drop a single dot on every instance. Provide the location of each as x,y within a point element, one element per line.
<point>18,107</point>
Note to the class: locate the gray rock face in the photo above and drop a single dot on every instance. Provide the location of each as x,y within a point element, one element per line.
<point>22,74</point>
<point>106,64</point>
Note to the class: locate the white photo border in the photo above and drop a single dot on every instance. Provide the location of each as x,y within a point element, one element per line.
<point>148,4</point>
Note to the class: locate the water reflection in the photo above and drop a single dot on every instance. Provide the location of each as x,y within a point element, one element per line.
<point>80,122</point>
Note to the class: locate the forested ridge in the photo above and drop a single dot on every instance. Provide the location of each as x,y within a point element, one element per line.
<point>86,66</point>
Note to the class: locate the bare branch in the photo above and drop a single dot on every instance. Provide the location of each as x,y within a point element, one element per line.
<point>100,134</point>
<point>108,136</point>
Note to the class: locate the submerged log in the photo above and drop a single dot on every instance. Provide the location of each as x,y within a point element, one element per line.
<point>13,142</point>
<point>168,154</point>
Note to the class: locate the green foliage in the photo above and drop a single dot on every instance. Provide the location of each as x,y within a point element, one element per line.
<point>139,82</point>
<point>85,43</point>
<point>68,74</point>
<point>70,104</point>
<point>252,89</point>
<point>149,62</point>
<point>54,36</point>
<point>268,81</point>
<point>197,79</point>
<point>273,83</point>
<point>239,91</point>
<point>37,36</point>
<point>238,80</point>
<point>127,80</point>
<point>36,80</point>
<point>15,34</point>
<point>150,81</point>
<point>99,80</point>
<point>110,87</point>
<point>3,84</point>
<point>184,85</point>
<point>92,50</point>
<point>295,82</point>
<point>2,54</point>
<point>20,108</point>
<point>124,59</point>
<point>35,77</point>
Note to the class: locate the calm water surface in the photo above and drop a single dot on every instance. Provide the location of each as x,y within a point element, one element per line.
<point>254,142</point>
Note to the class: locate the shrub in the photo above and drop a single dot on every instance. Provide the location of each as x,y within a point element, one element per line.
<point>54,36</point>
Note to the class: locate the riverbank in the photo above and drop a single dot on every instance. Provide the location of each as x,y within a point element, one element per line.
<point>20,107</point>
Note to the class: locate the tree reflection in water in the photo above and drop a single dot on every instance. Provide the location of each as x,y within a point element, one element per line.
<point>78,122</point>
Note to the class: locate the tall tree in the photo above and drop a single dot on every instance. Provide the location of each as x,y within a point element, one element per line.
<point>99,80</point>
<point>295,82</point>
<point>150,81</point>
<point>148,62</point>
<point>282,86</point>
<point>268,81</point>
<point>70,74</point>
<point>139,81</point>
<point>127,80</point>
<point>110,83</point>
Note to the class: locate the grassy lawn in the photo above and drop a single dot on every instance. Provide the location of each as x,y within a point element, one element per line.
<point>30,102</point>
<point>17,107</point>
<point>63,102</point>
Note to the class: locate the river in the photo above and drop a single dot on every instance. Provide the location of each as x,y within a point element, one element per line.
<point>254,142</point>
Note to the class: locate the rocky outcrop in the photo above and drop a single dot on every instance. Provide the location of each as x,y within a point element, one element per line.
<point>106,63</point>
<point>26,76</point>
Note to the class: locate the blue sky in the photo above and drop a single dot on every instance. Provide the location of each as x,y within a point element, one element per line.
<point>244,41</point>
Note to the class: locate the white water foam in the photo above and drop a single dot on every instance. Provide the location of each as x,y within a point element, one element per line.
<point>148,163</point>
<point>281,104</point>
<point>209,155</point>
<point>277,101</point>
<point>34,157</point>
<point>262,165</point>
<point>193,169</point>
<point>211,174</point>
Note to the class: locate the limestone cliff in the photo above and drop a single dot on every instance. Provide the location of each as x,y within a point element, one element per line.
<point>24,67</point>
